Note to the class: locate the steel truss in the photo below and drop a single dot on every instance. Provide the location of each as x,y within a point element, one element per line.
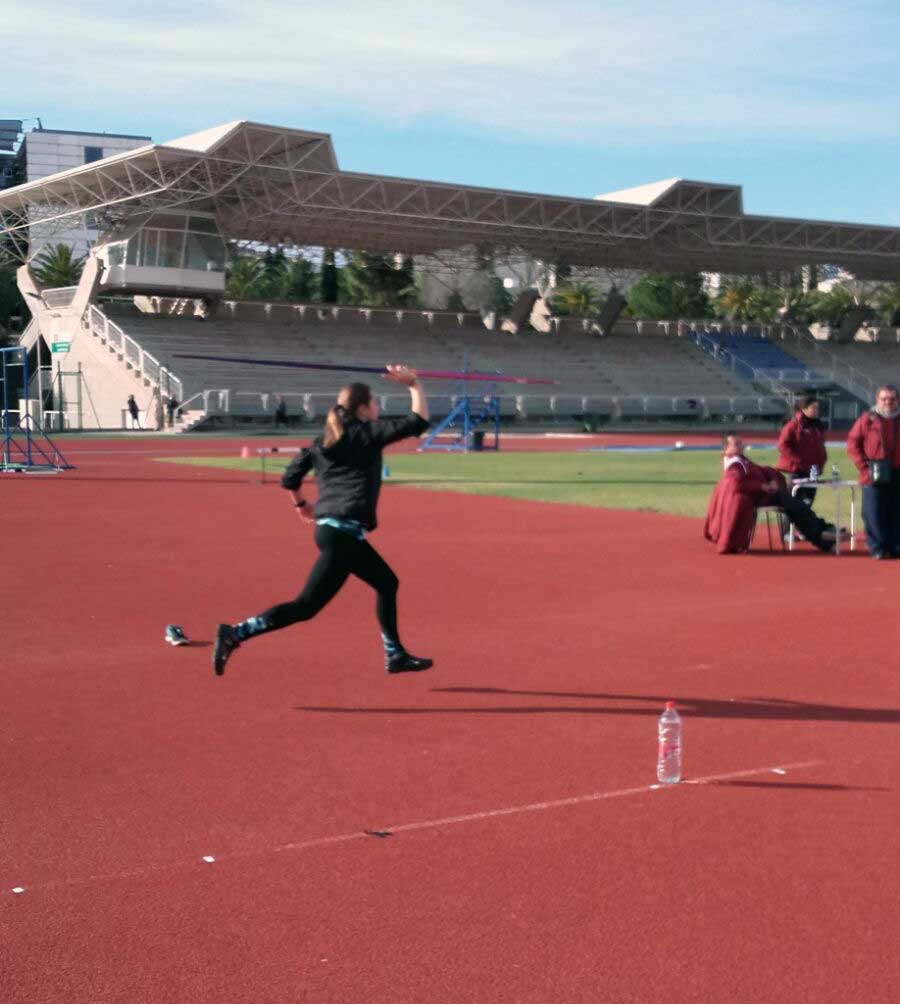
<point>283,186</point>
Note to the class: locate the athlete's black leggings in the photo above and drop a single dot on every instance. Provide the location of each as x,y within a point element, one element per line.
<point>341,555</point>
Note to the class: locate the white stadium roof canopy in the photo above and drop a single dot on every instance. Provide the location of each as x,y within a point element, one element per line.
<point>275,185</point>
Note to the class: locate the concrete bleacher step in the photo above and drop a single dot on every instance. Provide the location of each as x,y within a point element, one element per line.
<point>665,371</point>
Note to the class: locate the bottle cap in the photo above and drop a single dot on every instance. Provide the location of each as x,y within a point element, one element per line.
<point>670,705</point>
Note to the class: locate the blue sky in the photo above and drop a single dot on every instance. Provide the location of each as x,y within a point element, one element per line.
<point>799,102</point>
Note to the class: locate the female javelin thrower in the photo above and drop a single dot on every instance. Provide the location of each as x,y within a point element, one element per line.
<point>347,462</point>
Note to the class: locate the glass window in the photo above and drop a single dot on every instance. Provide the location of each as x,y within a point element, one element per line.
<point>205,252</point>
<point>203,225</point>
<point>133,253</point>
<point>149,245</point>
<point>92,153</point>
<point>171,248</point>
<point>170,221</point>
<point>116,254</point>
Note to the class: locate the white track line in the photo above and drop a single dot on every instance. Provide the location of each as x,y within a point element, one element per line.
<point>428,824</point>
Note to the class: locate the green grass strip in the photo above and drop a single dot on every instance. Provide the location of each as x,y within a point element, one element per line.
<point>677,483</point>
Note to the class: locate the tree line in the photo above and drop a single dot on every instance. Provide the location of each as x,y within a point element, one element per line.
<point>666,296</point>
<point>384,279</point>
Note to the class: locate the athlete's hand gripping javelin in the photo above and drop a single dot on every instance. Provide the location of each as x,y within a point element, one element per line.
<point>409,378</point>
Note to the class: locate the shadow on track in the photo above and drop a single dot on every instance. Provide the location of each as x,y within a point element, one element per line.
<point>137,478</point>
<point>769,708</point>
<point>793,785</point>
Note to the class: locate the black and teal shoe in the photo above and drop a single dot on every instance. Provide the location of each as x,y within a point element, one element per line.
<point>175,635</point>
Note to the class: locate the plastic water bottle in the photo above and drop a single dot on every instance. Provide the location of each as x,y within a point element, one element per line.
<point>668,761</point>
<point>814,473</point>
<point>835,473</point>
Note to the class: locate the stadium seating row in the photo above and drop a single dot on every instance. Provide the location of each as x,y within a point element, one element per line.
<point>530,407</point>
<point>649,365</point>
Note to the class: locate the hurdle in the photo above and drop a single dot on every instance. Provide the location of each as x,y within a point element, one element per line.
<point>262,452</point>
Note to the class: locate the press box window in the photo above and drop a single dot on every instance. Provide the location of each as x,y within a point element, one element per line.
<point>92,153</point>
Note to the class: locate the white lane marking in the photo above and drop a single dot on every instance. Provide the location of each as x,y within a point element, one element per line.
<point>426,824</point>
<point>582,799</point>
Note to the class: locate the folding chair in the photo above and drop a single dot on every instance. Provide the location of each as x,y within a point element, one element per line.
<point>774,514</point>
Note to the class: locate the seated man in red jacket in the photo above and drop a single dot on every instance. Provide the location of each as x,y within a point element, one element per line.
<point>801,445</point>
<point>742,488</point>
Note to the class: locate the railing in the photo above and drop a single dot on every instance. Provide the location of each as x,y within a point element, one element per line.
<point>707,344</point>
<point>222,401</point>
<point>151,367</point>
<point>808,378</point>
<point>652,406</point>
<point>135,357</point>
<point>847,375</point>
<point>62,296</point>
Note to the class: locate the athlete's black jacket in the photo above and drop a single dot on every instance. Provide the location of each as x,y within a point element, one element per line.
<point>349,472</point>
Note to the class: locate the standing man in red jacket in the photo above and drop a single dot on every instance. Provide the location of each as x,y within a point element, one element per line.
<point>874,446</point>
<point>801,445</point>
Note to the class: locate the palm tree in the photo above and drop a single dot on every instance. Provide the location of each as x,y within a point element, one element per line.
<point>379,279</point>
<point>57,266</point>
<point>579,299</point>
<point>295,280</point>
<point>12,306</point>
<point>764,305</point>
<point>246,278</point>
<point>888,301</point>
<point>734,302</point>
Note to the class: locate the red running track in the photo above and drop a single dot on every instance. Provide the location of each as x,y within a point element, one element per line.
<point>558,633</point>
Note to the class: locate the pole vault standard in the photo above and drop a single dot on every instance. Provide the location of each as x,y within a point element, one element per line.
<point>429,374</point>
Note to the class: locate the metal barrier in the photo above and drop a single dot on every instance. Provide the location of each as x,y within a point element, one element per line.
<point>144,364</point>
<point>707,344</point>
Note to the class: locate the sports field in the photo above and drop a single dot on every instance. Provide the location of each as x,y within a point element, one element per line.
<point>676,482</point>
<point>308,829</point>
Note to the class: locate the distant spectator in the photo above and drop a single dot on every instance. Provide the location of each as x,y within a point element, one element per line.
<point>171,405</point>
<point>159,414</point>
<point>801,445</point>
<point>874,446</point>
<point>280,412</point>
<point>131,404</point>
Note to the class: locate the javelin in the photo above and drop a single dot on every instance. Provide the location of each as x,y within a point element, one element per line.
<point>431,374</point>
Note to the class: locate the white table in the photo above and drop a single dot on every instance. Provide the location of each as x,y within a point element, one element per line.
<point>836,486</point>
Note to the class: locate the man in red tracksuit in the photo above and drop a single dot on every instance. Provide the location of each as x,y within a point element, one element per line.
<point>875,436</point>
<point>742,488</point>
<point>801,445</point>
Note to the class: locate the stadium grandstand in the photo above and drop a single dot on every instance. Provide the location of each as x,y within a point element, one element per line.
<point>153,287</point>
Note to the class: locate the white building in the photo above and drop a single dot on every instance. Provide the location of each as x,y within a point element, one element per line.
<point>45,152</point>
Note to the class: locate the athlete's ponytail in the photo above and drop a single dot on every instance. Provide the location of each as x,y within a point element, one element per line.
<point>349,401</point>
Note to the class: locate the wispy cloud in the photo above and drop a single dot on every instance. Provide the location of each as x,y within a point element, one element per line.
<point>587,71</point>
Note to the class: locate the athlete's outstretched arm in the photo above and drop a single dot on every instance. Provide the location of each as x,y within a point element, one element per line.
<point>406,376</point>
